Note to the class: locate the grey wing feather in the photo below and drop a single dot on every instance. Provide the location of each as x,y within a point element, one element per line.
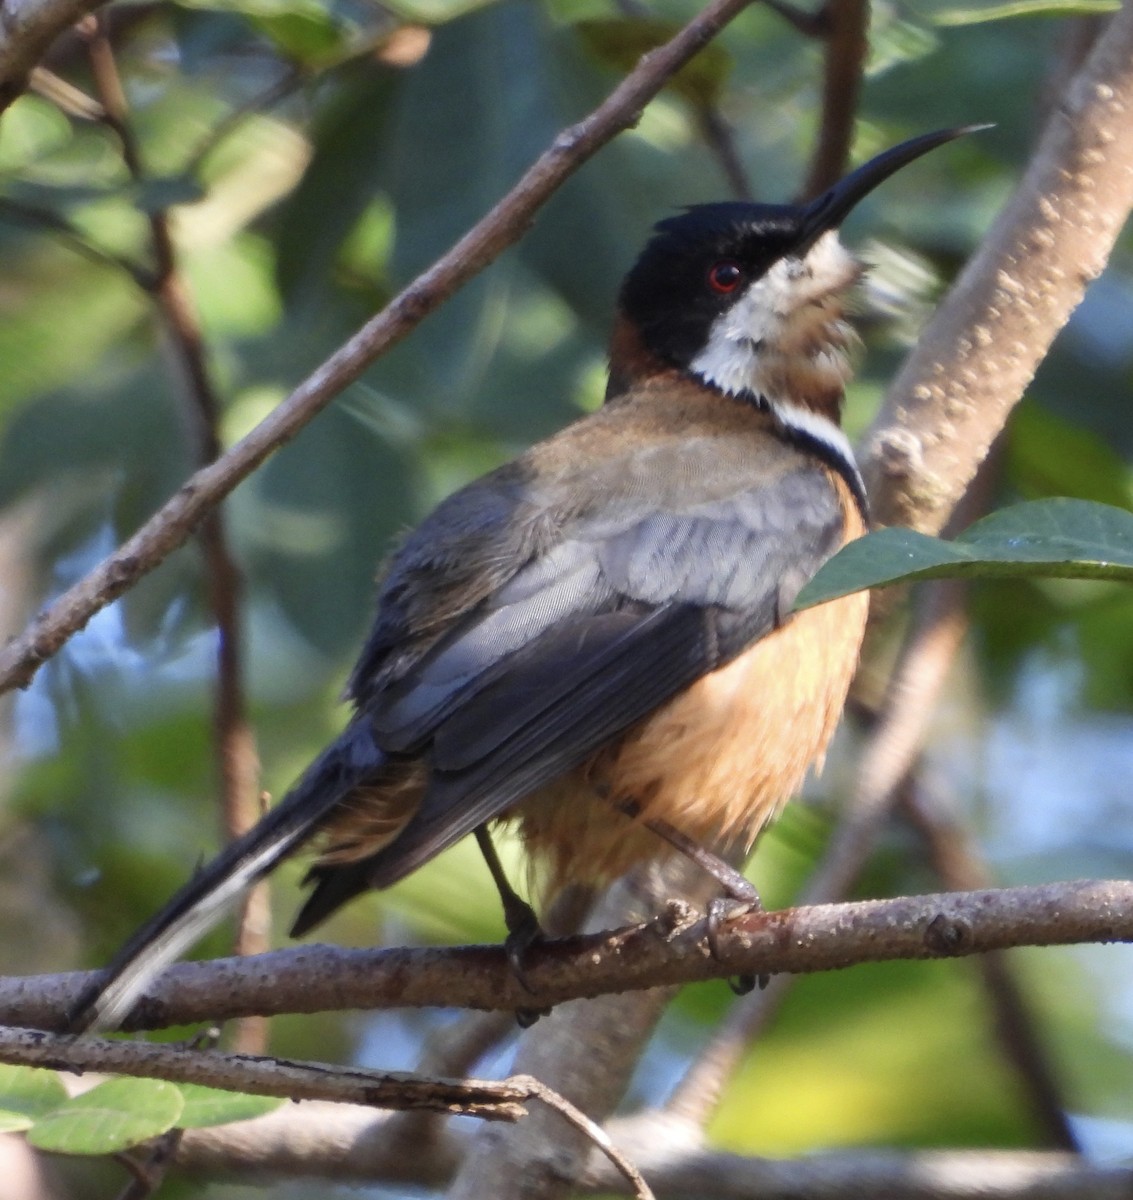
<point>585,640</point>
<point>564,584</point>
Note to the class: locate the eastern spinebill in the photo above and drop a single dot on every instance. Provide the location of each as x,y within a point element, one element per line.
<point>596,640</point>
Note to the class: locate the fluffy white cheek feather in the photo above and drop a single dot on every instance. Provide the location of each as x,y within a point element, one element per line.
<point>793,309</point>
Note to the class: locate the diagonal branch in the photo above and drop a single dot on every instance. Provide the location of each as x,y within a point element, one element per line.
<point>505,224</point>
<point>982,347</point>
<point>27,30</point>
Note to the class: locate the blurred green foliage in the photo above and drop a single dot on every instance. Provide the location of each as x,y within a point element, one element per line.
<point>317,155</point>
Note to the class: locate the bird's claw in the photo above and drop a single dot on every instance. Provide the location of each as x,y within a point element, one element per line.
<point>524,932</point>
<point>720,909</point>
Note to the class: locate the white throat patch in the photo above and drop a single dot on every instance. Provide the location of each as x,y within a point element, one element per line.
<point>786,341</point>
<point>785,338</point>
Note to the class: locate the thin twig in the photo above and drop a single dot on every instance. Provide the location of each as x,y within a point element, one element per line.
<point>718,134</point>
<point>593,1132</point>
<point>508,220</point>
<point>713,127</point>
<point>150,1169</point>
<point>293,1080</point>
<point>263,100</point>
<point>73,238</point>
<point>286,1078</point>
<point>844,25</point>
<point>235,744</point>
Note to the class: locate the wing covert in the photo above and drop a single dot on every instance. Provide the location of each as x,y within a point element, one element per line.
<point>589,637</point>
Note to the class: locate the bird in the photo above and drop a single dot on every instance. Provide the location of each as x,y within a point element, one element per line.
<point>595,641</point>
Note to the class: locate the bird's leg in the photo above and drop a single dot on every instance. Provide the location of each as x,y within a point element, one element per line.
<point>523,929</point>
<point>739,891</point>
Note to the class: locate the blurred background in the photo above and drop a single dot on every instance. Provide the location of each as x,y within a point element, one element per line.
<point>308,158</point>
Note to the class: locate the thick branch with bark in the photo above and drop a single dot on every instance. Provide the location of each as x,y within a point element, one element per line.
<point>671,949</point>
<point>350,1145</point>
<point>982,347</point>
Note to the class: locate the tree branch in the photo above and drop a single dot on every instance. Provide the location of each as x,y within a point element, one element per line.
<point>350,1145</point>
<point>179,517</point>
<point>27,30</point>
<point>982,347</point>
<point>671,949</point>
<point>265,1076</point>
<point>843,27</point>
<point>288,1079</point>
<point>235,751</point>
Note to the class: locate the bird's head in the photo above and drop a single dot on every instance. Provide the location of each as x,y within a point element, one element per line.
<point>749,298</point>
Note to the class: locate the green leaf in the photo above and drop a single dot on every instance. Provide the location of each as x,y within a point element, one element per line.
<point>206,1106</point>
<point>979,14</point>
<point>434,12</point>
<point>620,42</point>
<point>32,129</point>
<point>311,38</point>
<point>1072,539</point>
<point>110,1117</point>
<point>307,31</point>
<point>25,1094</point>
<point>894,40</point>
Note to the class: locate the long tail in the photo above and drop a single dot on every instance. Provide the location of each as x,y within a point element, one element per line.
<point>346,763</point>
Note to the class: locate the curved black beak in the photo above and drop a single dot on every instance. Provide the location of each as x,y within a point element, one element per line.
<point>830,209</point>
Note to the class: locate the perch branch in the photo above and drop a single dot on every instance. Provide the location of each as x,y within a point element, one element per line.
<point>671,949</point>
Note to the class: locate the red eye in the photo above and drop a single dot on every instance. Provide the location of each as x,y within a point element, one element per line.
<point>725,277</point>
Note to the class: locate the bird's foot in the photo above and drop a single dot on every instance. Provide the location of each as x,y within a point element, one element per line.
<point>523,929</point>
<point>524,932</point>
<point>723,908</point>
